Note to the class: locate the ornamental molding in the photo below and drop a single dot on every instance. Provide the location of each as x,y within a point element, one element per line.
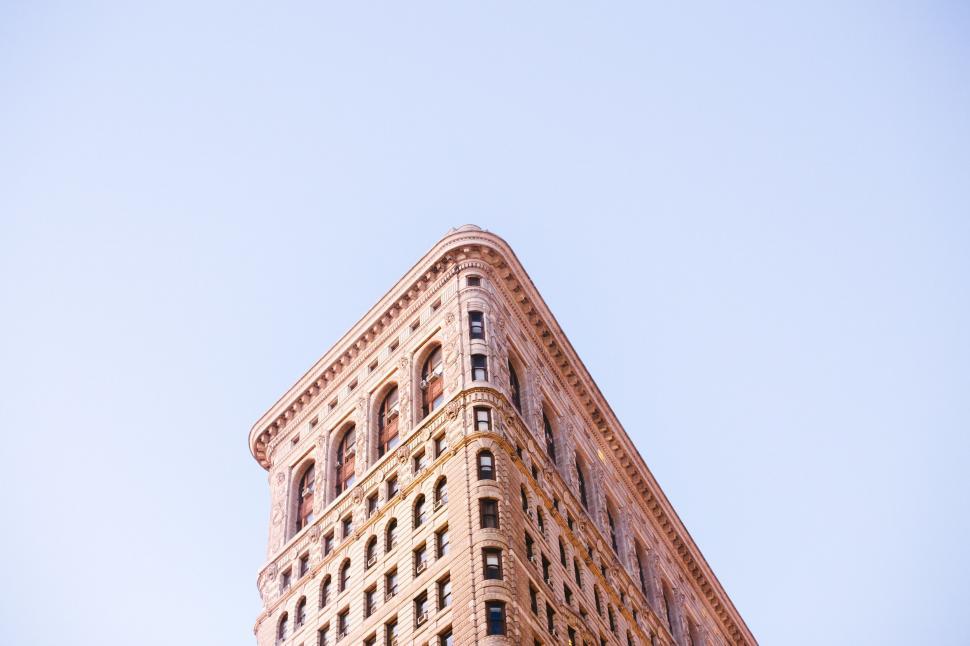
<point>570,375</point>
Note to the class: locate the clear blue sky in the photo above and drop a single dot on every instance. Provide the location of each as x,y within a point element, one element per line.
<point>771,200</point>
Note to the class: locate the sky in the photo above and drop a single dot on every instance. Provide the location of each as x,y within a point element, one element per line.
<point>752,220</point>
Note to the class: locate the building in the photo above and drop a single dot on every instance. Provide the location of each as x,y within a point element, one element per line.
<point>448,473</point>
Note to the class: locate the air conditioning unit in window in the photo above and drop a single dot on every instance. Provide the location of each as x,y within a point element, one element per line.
<point>371,561</point>
<point>392,641</point>
<point>420,567</point>
<point>437,504</point>
<point>420,619</point>
<point>534,560</point>
<point>392,412</point>
<point>437,371</point>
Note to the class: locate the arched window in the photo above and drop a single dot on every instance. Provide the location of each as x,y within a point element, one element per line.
<point>387,419</point>
<point>441,492</point>
<point>300,618</point>
<point>638,553</point>
<point>525,499</point>
<point>283,627</point>
<point>486,465</point>
<point>581,477</point>
<point>515,388</point>
<point>432,382</point>
<point>325,591</point>
<point>370,552</point>
<point>668,604</point>
<point>304,497</point>
<point>390,535</point>
<point>550,438</point>
<point>344,465</point>
<point>420,511</point>
<point>344,576</point>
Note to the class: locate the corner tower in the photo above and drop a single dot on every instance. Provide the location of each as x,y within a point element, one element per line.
<point>449,473</point>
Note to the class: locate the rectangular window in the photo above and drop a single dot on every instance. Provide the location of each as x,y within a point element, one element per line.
<point>440,445</point>
<point>371,504</point>
<point>533,599</point>
<point>372,367</point>
<point>346,527</point>
<point>390,584</point>
<point>323,636</point>
<point>492,562</point>
<point>445,638</point>
<point>420,461</point>
<point>441,540</point>
<point>479,367</point>
<point>483,419</point>
<point>370,600</point>
<point>529,546</point>
<point>545,570</point>
<point>488,511</point>
<point>444,593</point>
<point>495,618</point>
<point>343,623</point>
<point>476,325</point>
<point>304,564</point>
<point>328,543</point>
<point>567,594</point>
<point>390,632</point>
<point>550,618</point>
<point>420,559</point>
<point>392,487</point>
<point>286,579</point>
<point>420,609</point>
<point>371,641</point>
<point>473,281</point>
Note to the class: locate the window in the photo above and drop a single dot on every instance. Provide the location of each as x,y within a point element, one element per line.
<point>525,499</point>
<point>344,576</point>
<point>286,579</point>
<point>486,465</point>
<point>387,420</point>
<point>546,575</point>
<point>351,385</point>
<point>441,541</point>
<point>440,445</point>
<point>370,600</point>
<point>420,559</point>
<point>304,514</point>
<point>612,523</point>
<point>476,325</point>
<point>577,574</point>
<point>567,594</point>
<point>328,543</point>
<point>371,504</point>
<point>533,599</point>
<point>550,618</point>
<point>473,281</point>
<point>483,419</point>
<point>550,438</point>
<point>304,564</point>
<point>515,388</point>
<point>495,618</point>
<point>479,367</point>
<point>390,535</point>
<point>612,618</point>
<point>445,638</point>
<point>668,608</point>
<point>562,552</point>
<point>344,466</point>
<point>390,632</point>
<point>301,611</point>
<point>420,511</point>
<point>492,563</point>
<point>541,520</point>
<point>370,552</point>
<point>346,527</point>
<point>390,584</point>
<point>371,641</point>
<point>420,461</point>
<point>441,493</point>
<point>432,383</point>
<point>393,487</point>
<point>488,511</point>
<point>420,609</point>
<point>529,546</point>
<point>444,593</point>
<point>325,591</point>
<point>323,636</point>
<point>282,628</point>
<point>596,599</point>
<point>372,367</point>
<point>343,623</point>
<point>638,554</point>
<point>581,478</point>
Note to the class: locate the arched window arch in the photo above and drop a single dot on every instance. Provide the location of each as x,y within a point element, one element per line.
<point>514,387</point>
<point>370,552</point>
<point>304,498</point>
<point>390,535</point>
<point>441,492</point>
<point>344,462</point>
<point>344,576</point>
<point>486,465</point>
<point>325,591</point>
<point>282,628</point>
<point>420,511</point>
<point>581,479</point>
<point>300,617</point>
<point>550,437</point>
<point>388,414</point>
<point>432,382</point>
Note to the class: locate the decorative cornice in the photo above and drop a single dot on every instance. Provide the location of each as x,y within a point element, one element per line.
<point>468,244</point>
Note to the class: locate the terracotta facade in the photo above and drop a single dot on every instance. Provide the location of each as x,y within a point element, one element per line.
<point>567,530</point>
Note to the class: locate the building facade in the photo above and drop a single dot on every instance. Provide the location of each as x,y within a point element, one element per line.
<point>449,473</point>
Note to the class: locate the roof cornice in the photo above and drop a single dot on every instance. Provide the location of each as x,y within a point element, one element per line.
<point>468,243</point>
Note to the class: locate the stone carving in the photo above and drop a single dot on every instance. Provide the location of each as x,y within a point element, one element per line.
<point>452,410</point>
<point>403,453</point>
<point>450,318</point>
<point>404,362</point>
<point>280,477</point>
<point>358,496</point>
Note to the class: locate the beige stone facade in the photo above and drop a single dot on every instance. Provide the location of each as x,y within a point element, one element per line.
<point>511,502</point>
